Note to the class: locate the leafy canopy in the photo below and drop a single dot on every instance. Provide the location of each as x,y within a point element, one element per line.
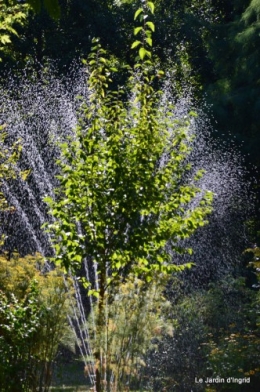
<point>51,6</point>
<point>123,203</point>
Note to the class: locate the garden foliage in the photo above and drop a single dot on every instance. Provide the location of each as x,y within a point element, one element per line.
<point>123,205</point>
<point>33,322</point>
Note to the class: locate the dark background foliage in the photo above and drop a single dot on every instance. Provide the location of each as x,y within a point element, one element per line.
<point>213,45</point>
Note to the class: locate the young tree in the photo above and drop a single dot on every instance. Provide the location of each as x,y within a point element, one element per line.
<point>123,204</point>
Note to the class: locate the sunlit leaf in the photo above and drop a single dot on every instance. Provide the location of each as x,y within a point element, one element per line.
<point>151,6</point>
<point>137,13</point>
<point>135,44</point>
<point>142,52</point>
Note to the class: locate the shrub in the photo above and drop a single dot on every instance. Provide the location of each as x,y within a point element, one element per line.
<point>33,322</point>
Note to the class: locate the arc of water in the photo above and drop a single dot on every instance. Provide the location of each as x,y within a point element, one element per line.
<point>16,204</point>
<point>84,347</point>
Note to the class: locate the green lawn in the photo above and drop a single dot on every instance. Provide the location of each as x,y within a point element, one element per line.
<point>70,388</point>
<point>70,377</point>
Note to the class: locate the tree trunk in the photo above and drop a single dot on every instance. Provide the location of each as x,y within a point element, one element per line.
<point>100,328</point>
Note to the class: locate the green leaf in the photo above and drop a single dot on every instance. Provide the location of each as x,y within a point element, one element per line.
<point>24,174</point>
<point>137,13</point>
<point>160,72</point>
<point>137,29</point>
<point>142,53</point>
<point>5,39</point>
<point>135,44</point>
<point>151,26</point>
<point>148,54</point>
<point>118,265</point>
<point>93,292</point>
<point>151,6</point>
<point>149,41</point>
